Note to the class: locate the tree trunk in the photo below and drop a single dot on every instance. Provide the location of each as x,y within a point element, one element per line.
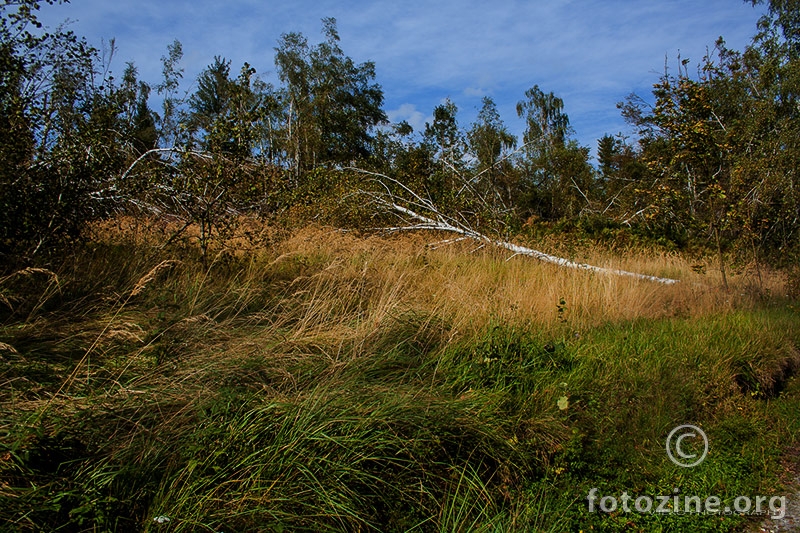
<point>721,257</point>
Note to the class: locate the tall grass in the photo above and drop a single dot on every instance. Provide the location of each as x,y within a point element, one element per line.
<point>328,381</point>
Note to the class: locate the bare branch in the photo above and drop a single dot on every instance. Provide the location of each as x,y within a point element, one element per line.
<point>437,221</point>
<point>173,150</point>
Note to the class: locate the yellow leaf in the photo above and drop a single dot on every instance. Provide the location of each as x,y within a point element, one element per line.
<point>563,403</point>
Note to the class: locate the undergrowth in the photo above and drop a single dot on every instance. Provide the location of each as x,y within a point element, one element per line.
<point>332,382</point>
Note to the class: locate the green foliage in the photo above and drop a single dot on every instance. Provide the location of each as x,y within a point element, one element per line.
<point>720,150</point>
<point>332,103</point>
<point>227,116</point>
<point>168,130</point>
<point>445,141</point>
<point>489,142</point>
<point>67,130</point>
<point>556,176</point>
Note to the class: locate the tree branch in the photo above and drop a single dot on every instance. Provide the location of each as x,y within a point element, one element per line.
<point>440,222</point>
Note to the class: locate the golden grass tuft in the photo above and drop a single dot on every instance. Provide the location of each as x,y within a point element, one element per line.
<point>148,278</point>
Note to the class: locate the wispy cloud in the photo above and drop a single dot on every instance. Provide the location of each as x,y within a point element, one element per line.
<point>590,53</point>
<point>409,113</point>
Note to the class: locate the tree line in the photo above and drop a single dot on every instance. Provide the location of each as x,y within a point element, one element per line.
<point>713,162</point>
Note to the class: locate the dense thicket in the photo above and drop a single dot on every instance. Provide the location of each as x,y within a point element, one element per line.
<point>713,163</point>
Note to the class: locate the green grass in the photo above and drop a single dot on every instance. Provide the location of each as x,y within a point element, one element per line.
<point>299,392</point>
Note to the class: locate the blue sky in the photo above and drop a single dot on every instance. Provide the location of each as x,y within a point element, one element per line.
<point>590,53</point>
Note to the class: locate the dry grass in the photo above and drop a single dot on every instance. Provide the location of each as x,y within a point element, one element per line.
<point>470,287</point>
<point>332,293</point>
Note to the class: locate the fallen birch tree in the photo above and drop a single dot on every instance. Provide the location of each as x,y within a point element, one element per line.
<point>410,208</point>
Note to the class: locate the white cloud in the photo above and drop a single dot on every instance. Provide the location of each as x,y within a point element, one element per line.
<point>410,114</point>
<point>475,92</point>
